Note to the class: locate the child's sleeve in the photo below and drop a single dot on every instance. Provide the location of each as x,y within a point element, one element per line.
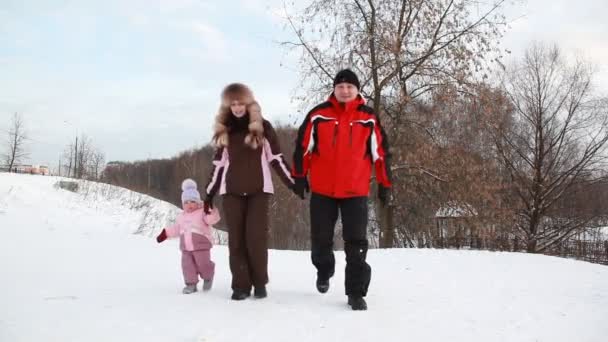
<point>172,230</point>
<point>212,218</point>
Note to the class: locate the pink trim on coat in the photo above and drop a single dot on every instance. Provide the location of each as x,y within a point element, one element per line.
<point>226,160</point>
<point>219,164</point>
<point>279,158</point>
<point>265,161</point>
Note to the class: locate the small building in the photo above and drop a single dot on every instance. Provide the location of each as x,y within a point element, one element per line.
<point>452,219</point>
<point>22,168</point>
<point>43,170</point>
<point>26,168</point>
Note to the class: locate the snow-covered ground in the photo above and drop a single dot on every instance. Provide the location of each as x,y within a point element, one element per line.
<point>72,270</point>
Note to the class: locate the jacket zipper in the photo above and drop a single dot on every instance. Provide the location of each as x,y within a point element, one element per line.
<point>335,134</point>
<point>350,136</point>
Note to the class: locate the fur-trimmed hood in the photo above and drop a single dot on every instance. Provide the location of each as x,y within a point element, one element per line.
<point>242,93</point>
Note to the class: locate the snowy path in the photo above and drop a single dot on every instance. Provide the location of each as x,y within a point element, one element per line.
<point>71,271</point>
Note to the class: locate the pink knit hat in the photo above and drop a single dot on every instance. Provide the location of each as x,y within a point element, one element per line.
<point>189,191</point>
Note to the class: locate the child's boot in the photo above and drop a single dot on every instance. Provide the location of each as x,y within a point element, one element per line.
<point>189,289</point>
<point>207,284</point>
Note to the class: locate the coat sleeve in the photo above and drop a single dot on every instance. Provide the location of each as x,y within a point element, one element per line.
<point>380,154</point>
<point>212,218</point>
<point>275,158</point>
<point>220,162</point>
<point>303,148</point>
<point>172,230</point>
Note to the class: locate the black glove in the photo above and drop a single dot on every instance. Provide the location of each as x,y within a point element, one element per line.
<point>383,193</point>
<point>300,187</point>
<point>161,237</point>
<point>208,205</point>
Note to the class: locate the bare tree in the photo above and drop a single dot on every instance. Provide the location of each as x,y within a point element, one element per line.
<point>83,155</point>
<point>68,158</point>
<point>449,165</point>
<point>555,146</point>
<point>402,50</point>
<point>83,159</point>
<point>16,139</point>
<point>96,164</point>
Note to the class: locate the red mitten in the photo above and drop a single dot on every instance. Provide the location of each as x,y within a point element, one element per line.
<point>208,205</point>
<point>161,237</point>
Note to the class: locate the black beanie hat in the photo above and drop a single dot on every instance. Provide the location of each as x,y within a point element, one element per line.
<point>346,76</point>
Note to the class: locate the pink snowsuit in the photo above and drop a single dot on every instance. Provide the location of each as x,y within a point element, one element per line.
<point>195,242</point>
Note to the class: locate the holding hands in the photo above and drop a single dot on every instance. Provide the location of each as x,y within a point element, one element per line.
<point>300,187</point>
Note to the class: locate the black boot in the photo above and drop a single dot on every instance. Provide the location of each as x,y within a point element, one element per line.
<point>357,303</point>
<point>260,292</point>
<point>238,294</point>
<point>322,284</point>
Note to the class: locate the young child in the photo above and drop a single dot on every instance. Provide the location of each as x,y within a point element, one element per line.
<point>193,226</point>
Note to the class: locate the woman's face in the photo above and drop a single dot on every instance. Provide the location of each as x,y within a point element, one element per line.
<point>238,108</point>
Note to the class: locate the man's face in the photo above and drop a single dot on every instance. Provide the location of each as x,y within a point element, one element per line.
<point>345,92</point>
<point>238,108</point>
<point>190,206</point>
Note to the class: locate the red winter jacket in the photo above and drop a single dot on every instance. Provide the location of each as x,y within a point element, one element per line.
<point>338,143</point>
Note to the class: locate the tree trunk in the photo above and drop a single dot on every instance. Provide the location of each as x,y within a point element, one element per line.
<point>76,158</point>
<point>384,213</point>
<point>531,245</point>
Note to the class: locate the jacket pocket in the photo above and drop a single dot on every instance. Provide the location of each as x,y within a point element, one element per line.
<point>325,135</point>
<point>359,137</point>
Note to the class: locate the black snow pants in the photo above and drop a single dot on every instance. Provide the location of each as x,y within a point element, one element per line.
<point>323,216</point>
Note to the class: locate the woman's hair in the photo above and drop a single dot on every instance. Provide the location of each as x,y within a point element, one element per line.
<point>242,93</point>
<point>237,92</point>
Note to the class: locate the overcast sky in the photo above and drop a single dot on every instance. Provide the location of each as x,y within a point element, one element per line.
<point>142,78</point>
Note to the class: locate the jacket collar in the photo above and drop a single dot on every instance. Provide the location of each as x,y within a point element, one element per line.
<point>351,105</point>
<point>238,124</point>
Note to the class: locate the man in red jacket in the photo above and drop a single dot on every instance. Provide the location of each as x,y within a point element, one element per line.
<point>337,145</point>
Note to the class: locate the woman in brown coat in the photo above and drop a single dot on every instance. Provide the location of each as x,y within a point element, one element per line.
<point>247,147</point>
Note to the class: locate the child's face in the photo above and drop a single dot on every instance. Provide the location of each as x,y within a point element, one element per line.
<point>190,206</point>
<point>238,108</point>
